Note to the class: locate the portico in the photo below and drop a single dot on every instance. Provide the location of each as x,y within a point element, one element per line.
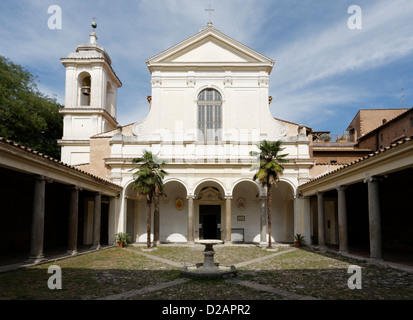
<point>57,202</point>
<point>360,197</point>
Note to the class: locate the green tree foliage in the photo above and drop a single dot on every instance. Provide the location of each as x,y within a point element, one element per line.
<point>148,181</point>
<point>268,171</point>
<point>27,116</point>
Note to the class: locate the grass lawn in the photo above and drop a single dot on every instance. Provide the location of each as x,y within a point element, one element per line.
<point>88,276</point>
<point>112,271</point>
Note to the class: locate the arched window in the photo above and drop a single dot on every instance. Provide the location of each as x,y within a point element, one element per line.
<point>85,89</point>
<point>109,98</point>
<point>209,115</point>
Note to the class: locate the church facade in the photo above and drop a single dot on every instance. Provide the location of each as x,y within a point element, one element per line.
<point>209,108</point>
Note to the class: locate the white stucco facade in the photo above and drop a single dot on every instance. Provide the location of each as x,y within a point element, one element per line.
<point>209,108</point>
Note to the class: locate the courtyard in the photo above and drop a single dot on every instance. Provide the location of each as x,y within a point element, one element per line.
<point>133,273</point>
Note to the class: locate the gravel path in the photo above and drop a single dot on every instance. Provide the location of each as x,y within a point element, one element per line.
<point>161,286</point>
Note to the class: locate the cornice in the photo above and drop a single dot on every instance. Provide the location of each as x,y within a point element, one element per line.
<point>23,157</point>
<point>89,111</point>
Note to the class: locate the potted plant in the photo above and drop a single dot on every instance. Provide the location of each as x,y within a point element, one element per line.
<point>298,240</point>
<point>122,239</point>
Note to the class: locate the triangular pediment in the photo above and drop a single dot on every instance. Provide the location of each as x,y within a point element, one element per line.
<point>209,46</point>
<point>210,50</point>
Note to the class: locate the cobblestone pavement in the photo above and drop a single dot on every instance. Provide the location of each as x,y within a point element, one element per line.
<point>134,273</point>
<point>288,274</point>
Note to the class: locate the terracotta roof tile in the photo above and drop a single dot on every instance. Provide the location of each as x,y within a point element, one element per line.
<point>370,155</point>
<point>42,155</point>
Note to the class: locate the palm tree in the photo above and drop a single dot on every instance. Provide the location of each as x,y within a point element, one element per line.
<point>148,181</point>
<point>268,171</point>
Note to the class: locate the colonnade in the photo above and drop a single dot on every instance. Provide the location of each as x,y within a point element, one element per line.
<point>374,218</point>
<point>38,218</point>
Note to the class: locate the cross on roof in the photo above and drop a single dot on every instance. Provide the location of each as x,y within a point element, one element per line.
<point>210,10</point>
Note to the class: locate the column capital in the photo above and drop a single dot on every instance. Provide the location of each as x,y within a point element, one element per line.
<point>77,188</point>
<point>191,197</point>
<point>298,194</point>
<point>40,178</point>
<point>228,197</point>
<point>319,193</point>
<point>372,179</point>
<point>341,188</point>
<point>43,178</point>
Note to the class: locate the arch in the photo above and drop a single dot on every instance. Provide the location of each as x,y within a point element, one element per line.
<point>179,181</point>
<point>290,183</point>
<point>84,88</point>
<point>173,216</point>
<point>259,188</point>
<point>109,98</point>
<point>282,211</point>
<point>210,95</point>
<point>211,87</point>
<point>171,226</point>
<point>206,180</point>
<point>127,185</point>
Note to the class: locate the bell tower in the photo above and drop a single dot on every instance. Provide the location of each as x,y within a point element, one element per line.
<point>90,99</point>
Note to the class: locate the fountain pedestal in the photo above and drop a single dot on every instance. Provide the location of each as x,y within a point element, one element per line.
<point>209,269</point>
<point>209,253</point>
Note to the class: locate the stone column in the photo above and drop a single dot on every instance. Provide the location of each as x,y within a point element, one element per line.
<point>190,238</point>
<point>136,224</point>
<point>97,210</point>
<point>73,219</point>
<point>228,219</point>
<point>374,218</point>
<point>114,212</point>
<point>156,223</point>
<point>37,236</point>
<point>342,220</point>
<point>321,230</point>
<point>263,220</point>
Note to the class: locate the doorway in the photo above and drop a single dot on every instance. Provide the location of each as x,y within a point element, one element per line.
<point>210,222</point>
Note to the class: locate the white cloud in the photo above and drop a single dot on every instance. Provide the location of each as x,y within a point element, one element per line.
<point>308,60</point>
<point>305,65</point>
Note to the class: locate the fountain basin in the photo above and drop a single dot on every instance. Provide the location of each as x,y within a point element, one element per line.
<point>197,270</point>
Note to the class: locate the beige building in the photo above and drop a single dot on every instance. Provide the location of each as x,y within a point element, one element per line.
<point>367,120</point>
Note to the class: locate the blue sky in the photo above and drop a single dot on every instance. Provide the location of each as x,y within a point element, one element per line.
<point>324,71</point>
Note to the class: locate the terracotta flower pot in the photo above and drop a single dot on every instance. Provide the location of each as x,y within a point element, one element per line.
<point>297,244</point>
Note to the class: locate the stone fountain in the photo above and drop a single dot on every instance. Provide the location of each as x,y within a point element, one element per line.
<point>209,269</point>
